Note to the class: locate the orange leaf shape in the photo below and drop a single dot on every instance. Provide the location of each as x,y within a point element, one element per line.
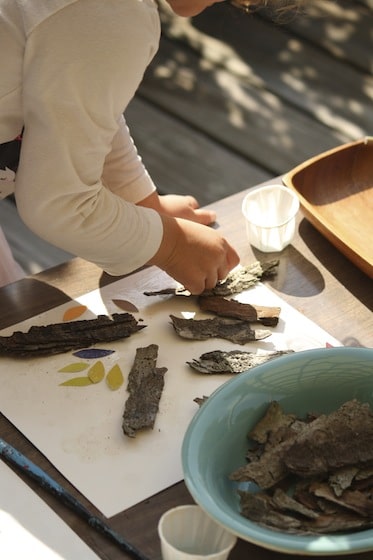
<point>74,312</point>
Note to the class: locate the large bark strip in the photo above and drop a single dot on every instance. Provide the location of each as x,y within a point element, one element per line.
<point>224,307</point>
<point>62,337</point>
<point>234,361</point>
<point>342,438</point>
<point>234,330</point>
<point>145,386</point>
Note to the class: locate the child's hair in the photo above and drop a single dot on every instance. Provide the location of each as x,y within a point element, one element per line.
<point>275,6</point>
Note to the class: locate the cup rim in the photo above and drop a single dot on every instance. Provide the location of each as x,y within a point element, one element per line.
<point>270,186</point>
<point>170,511</point>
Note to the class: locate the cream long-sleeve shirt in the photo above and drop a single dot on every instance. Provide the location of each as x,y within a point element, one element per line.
<point>68,70</point>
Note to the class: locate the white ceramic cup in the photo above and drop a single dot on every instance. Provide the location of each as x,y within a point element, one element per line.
<point>269,214</point>
<point>188,533</point>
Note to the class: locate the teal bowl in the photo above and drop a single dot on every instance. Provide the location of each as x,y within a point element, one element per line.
<point>215,443</point>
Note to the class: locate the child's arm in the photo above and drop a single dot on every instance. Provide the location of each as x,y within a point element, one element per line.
<point>179,206</point>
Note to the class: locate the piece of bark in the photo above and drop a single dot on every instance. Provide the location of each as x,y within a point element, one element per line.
<point>243,278</point>
<point>275,432</point>
<point>219,327</point>
<point>237,281</point>
<point>169,292</point>
<point>284,513</point>
<point>62,337</point>
<point>350,499</point>
<point>268,316</point>
<point>365,473</point>
<point>321,502</point>
<point>234,361</point>
<point>340,439</point>
<point>259,507</point>
<point>273,419</point>
<point>337,523</point>
<point>145,387</point>
<point>269,469</point>
<point>284,502</point>
<point>342,479</point>
<point>200,400</point>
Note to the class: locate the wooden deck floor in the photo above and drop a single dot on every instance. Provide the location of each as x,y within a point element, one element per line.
<point>231,100</point>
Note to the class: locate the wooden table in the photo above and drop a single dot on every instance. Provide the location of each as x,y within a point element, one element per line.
<point>313,277</point>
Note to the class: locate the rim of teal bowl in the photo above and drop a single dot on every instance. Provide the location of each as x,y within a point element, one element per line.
<point>328,545</point>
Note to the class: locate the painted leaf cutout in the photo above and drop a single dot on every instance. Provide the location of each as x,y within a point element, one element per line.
<point>92,353</point>
<point>114,378</point>
<point>96,373</point>
<point>74,367</point>
<point>125,305</point>
<point>77,382</point>
<point>74,312</point>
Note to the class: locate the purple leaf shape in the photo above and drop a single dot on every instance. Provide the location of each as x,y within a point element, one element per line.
<point>92,353</point>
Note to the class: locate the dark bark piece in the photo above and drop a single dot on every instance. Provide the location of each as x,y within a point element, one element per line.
<point>235,361</point>
<point>269,469</point>
<point>268,316</point>
<point>276,432</point>
<point>363,480</point>
<point>321,502</point>
<point>259,507</point>
<point>145,387</point>
<point>237,280</point>
<point>332,441</point>
<point>364,474</point>
<point>350,499</point>
<point>219,327</point>
<point>168,292</point>
<point>338,522</point>
<point>282,513</point>
<point>200,400</point>
<point>342,479</point>
<point>62,337</point>
<point>284,502</point>
<point>273,420</point>
<point>302,494</point>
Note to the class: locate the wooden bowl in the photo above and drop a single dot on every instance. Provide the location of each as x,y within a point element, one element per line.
<point>335,190</point>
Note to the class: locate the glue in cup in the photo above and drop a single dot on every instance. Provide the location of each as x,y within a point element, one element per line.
<point>188,533</point>
<point>270,213</point>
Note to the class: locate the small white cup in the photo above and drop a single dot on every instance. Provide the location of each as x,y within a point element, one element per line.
<point>188,533</point>
<point>270,213</point>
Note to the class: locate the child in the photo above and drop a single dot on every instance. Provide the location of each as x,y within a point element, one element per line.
<point>68,70</point>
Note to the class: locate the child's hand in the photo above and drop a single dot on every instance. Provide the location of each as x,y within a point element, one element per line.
<point>194,254</point>
<point>179,206</point>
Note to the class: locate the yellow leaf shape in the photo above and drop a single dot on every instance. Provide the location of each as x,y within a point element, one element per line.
<point>74,367</point>
<point>114,378</point>
<point>74,312</point>
<point>96,373</point>
<point>77,382</point>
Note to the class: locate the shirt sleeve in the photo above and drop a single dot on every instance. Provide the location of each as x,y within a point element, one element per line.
<point>124,174</point>
<point>79,174</point>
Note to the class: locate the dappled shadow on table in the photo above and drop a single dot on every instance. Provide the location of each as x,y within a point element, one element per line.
<point>353,279</point>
